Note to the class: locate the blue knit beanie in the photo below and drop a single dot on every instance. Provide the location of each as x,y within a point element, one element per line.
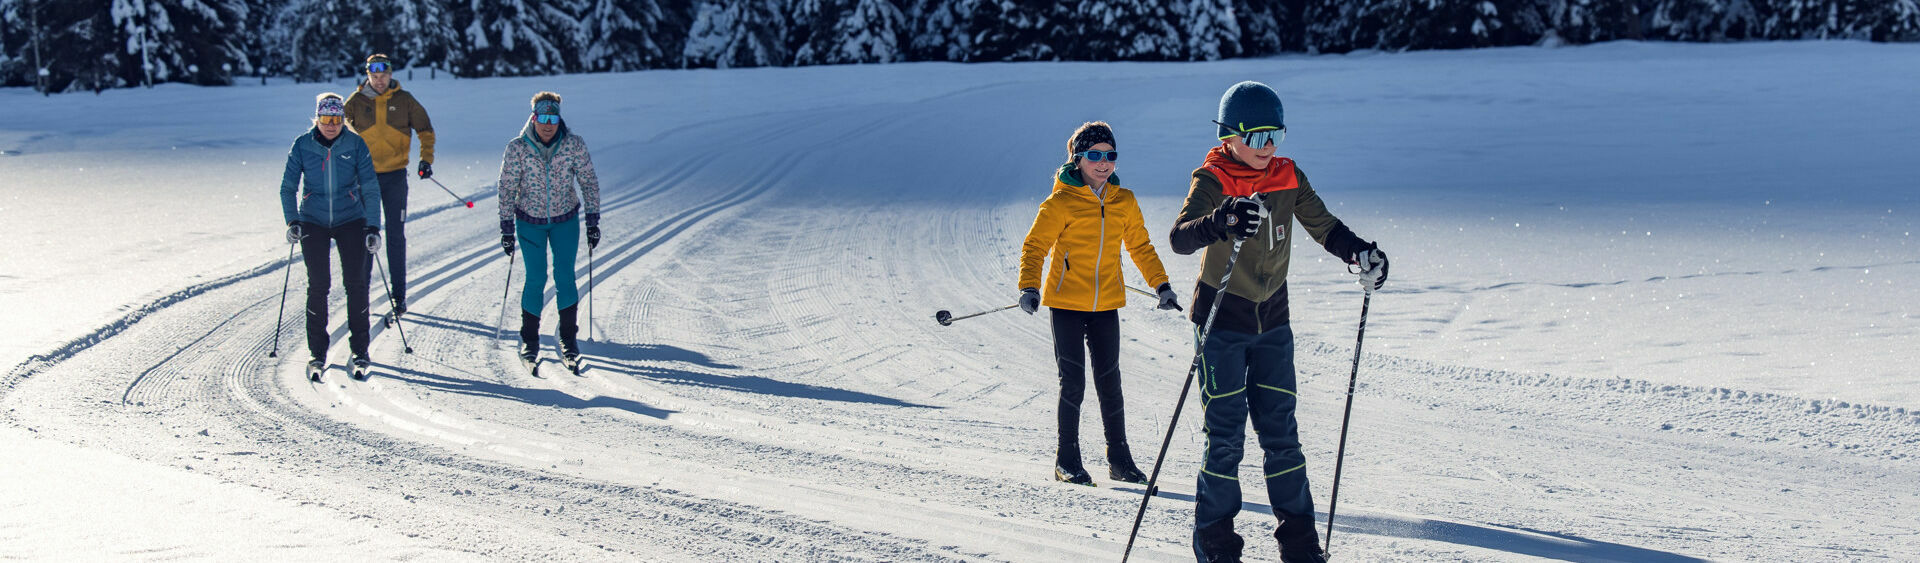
<point>1247,106</point>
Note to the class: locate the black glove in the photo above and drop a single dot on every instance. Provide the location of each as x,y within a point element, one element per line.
<point>1167,299</point>
<point>1238,217</point>
<point>506,237</point>
<point>293,233</point>
<point>593,237</point>
<point>426,170</point>
<point>1029,300</point>
<point>373,239</point>
<point>1373,267</point>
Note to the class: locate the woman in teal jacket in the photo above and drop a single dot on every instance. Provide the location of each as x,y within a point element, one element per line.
<point>338,202</point>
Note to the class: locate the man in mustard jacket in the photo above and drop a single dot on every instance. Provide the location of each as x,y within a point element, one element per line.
<point>1080,230</point>
<point>387,117</point>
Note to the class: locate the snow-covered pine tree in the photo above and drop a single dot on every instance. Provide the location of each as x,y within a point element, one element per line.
<point>939,30</point>
<point>181,40</point>
<point>1593,21</point>
<point>737,33</point>
<point>1212,32</point>
<point>417,34</point>
<point>325,40</point>
<point>1269,27</point>
<point>848,31</point>
<point>1445,24</point>
<point>509,38</point>
<point>1700,20</point>
<point>1110,30</point>
<point>626,35</point>
<point>1010,30</point>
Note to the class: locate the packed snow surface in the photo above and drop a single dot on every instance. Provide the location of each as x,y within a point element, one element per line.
<point>1648,303</point>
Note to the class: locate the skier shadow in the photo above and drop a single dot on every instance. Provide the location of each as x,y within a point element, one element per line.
<point>469,327</point>
<point>1520,541</point>
<point>538,397</point>
<point>654,362</point>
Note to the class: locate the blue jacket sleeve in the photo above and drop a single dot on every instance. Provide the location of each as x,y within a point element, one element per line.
<point>369,184</point>
<point>290,185</point>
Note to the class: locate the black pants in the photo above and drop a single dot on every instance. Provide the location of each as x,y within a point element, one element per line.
<point>393,202</point>
<point>351,239</point>
<point>1075,332</point>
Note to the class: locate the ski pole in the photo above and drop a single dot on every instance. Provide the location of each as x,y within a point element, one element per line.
<point>503,298</point>
<point>1352,378</point>
<point>282,315</point>
<point>391,303</point>
<point>589,292</point>
<point>946,317</point>
<point>1143,292</point>
<point>1153,482</point>
<point>450,192</point>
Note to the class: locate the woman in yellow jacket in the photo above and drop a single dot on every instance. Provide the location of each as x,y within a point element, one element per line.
<point>1080,230</point>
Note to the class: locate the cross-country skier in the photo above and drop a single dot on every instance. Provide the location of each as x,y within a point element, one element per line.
<point>338,202</point>
<point>387,117</point>
<point>1079,233</point>
<point>540,210</point>
<point>1243,192</point>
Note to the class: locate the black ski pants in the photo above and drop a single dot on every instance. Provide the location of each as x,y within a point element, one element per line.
<point>351,239</point>
<point>393,202</point>
<point>1074,334</point>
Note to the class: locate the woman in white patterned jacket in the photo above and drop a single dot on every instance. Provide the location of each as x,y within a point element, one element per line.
<point>540,209</point>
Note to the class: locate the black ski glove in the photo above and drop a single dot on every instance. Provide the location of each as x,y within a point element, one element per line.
<point>293,233</point>
<point>1238,217</point>
<point>1167,299</point>
<point>1029,300</point>
<point>373,239</point>
<point>426,170</point>
<point>593,237</point>
<point>506,237</point>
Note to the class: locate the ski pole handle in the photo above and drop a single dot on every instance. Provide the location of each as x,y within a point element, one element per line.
<point>946,318</point>
<point>450,192</point>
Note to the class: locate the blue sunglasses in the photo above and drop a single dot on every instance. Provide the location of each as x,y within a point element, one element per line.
<point>1097,156</point>
<point>373,68</point>
<point>546,118</point>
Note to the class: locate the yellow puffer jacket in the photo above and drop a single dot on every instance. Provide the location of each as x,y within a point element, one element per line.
<point>388,121</point>
<point>1083,234</point>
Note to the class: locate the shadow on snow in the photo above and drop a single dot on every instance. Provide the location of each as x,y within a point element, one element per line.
<point>1520,541</point>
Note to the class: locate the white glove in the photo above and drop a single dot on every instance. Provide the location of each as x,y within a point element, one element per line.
<point>1373,269</point>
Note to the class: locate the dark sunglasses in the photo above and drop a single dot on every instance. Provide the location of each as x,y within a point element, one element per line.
<point>379,67</point>
<point>1097,156</point>
<point>546,118</point>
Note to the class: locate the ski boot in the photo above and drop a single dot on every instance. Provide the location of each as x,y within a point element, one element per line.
<point>1218,543</point>
<point>315,367</point>
<point>361,367</point>
<point>530,342</point>
<point>569,346</point>
<point>1120,466</point>
<point>1299,541</point>
<point>1067,468</point>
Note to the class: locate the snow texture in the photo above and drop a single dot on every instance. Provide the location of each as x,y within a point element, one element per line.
<point>1650,302</point>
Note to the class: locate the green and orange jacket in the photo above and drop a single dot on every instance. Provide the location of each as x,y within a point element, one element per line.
<point>1080,235</point>
<point>387,121</point>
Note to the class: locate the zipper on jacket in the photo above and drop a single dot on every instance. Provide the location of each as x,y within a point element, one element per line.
<point>328,167</point>
<point>1066,260</point>
<point>1099,253</point>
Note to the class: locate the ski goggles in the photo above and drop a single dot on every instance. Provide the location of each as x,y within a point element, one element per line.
<point>378,67</point>
<point>546,118</point>
<point>1097,156</point>
<point>329,119</point>
<point>1259,137</point>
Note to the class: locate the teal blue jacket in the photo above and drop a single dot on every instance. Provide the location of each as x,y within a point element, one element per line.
<point>336,184</point>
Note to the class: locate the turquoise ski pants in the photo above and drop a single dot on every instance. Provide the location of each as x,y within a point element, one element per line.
<point>564,239</point>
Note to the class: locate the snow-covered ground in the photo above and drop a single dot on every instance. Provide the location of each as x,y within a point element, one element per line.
<point>1649,303</point>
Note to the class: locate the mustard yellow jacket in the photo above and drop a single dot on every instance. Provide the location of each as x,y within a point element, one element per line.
<point>1081,235</point>
<point>388,121</point>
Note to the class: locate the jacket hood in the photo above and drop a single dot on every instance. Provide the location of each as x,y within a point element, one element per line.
<point>366,88</point>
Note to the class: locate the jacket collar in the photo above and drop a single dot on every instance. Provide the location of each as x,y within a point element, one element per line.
<point>366,89</point>
<point>1069,180</point>
<point>532,138</point>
